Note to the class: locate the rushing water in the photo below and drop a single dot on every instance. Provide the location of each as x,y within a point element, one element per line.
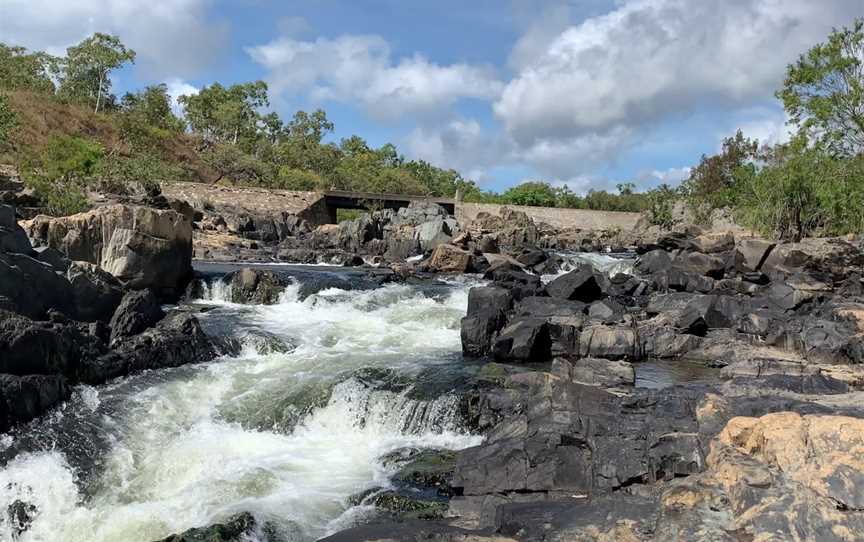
<point>288,430</point>
<point>610,264</point>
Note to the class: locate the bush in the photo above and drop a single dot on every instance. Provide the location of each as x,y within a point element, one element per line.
<point>297,179</point>
<point>8,120</point>
<point>61,173</point>
<point>139,173</point>
<point>662,202</point>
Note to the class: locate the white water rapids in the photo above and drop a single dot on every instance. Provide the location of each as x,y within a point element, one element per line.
<point>191,446</point>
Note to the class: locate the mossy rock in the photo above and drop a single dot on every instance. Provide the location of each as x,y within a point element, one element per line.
<point>410,507</point>
<point>235,529</point>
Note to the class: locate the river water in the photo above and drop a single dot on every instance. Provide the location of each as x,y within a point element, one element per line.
<point>329,380</point>
<point>288,436</point>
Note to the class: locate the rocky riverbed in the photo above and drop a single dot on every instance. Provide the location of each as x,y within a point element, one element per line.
<point>463,382</point>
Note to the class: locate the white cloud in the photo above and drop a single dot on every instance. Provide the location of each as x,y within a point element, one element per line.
<point>354,68</point>
<point>769,126</point>
<point>672,177</point>
<point>177,88</point>
<point>171,37</point>
<point>593,87</point>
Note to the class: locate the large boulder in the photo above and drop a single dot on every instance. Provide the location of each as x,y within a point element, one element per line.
<point>524,340</point>
<point>142,247</point>
<point>750,254</point>
<point>138,311</point>
<point>31,287</point>
<point>487,310</point>
<point>236,528</point>
<point>176,340</point>
<point>433,233</point>
<point>97,293</point>
<point>31,347</point>
<point>595,372</point>
<point>582,284</point>
<point>256,286</point>
<point>449,259</point>
<point>23,398</point>
<point>12,237</point>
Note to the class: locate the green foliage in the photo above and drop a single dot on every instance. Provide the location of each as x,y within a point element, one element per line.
<point>537,194</point>
<point>714,183</point>
<point>151,107</point>
<point>20,70</point>
<point>228,115</point>
<point>297,179</point>
<point>87,67</point>
<point>138,172</point>
<point>823,92</point>
<point>61,173</point>
<point>8,121</point>
<point>662,203</point>
<point>236,166</point>
<point>802,190</point>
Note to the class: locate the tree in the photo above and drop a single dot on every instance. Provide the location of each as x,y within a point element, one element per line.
<point>534,193</point>
<point>223,115</point>
<point>713,183</point>
<point>20,70</point>
<point>152,106</point>
<point>88,65</point>
<point>823,92</point>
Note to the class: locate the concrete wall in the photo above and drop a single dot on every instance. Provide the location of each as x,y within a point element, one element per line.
<point>559,218</point>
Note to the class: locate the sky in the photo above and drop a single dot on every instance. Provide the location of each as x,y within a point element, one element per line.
<point>588,93</point>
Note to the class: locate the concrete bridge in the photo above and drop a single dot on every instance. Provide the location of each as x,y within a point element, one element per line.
<point>321,207</point>
<point>341,199</point>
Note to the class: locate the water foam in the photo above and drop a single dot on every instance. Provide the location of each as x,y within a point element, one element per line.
<point>603,263</point>
<point>197,444</point>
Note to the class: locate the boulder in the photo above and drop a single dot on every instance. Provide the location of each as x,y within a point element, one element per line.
<point>142,247</point>
<point>237,528</point>
<point>596,372</point>
<point>176,340</point>
<point>33,287</point>
<point>97,293</point>
<point>52,257</point>
<point>582,284</point>
<point>487,309</point>
<point>30,347</point>
<point>606,311</point>
<point>714,242</point>
<point>701,264</point>
<point>653,262</point>
<point>12,237</point>
<point>23,398</point>
<point>256,286</point>
<point>449,259</point>
<point>609,342</point>
<point>750,254</point>
<point>524,340</point>
<point>138,311</point>
<point>433,233</point>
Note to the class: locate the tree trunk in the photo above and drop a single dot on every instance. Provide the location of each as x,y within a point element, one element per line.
<point>99,92</point>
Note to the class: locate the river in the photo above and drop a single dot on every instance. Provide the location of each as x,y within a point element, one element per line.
<point>326,384</point>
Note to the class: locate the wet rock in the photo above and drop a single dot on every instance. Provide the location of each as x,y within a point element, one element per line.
<point>238,528</point>
<point>176,340</point>
<point>515,279</point>
<point>31,347</point>
<point>256,286</point>
<point>487,308</point>
<point>595,372</point>
<point>97,293</point>
<point>20,516</point>
<point>23,398</point>
<point>429,470</point>
<point>610,342</point>
<point>52,257</point>
<point>583,284</point>
<point>138,311</point>
<point>140,246</point>
<point>408,506</point>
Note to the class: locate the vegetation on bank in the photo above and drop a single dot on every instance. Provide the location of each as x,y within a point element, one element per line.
<point>60,122</point>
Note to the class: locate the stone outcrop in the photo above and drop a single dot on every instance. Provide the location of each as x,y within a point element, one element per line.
<point>140,246</point>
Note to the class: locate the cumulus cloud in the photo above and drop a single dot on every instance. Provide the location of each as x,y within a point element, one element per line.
<point>360,68</point>
<point>171,37</point>
<point>601,81</point>
<point>177,88</point>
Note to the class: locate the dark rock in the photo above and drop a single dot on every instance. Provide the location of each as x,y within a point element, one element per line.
<point>653,262</point>
<point>548,306</point>
<point>23,398</point>
<point>606,311</point>
<point>256,286</point>
<point>28,347</point>
<point>583,284</point>
<point>20,516</point>
<point>595,372</point>
<point>52,257</point>
<point>97,293</point>
<point>750,254</point>
<point>176,340</point>
<point>487,308</point>
<point>12,237</point>
<point>138,311</point>
<point>701,264</point>
<point>610,342</point>
<point>33,287</point>
<point>238,528</point>
<point>524,340</point>
<point>531,258</point>
<point>409,506</point>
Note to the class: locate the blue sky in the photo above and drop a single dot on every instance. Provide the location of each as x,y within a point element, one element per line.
<point>588,93</point>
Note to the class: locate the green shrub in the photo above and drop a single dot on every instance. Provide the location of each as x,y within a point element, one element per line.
<point>297,179</point>
<point>61,173</point>
<point>662,203</point>
<point>8,121</point>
